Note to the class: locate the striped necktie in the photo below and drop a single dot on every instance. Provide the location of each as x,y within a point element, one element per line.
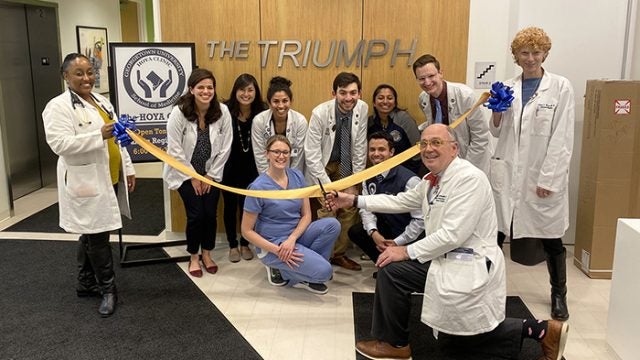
<point>345,149</point>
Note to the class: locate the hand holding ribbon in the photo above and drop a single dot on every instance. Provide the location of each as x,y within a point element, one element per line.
<point>120,129</point>
<point>501,97</point>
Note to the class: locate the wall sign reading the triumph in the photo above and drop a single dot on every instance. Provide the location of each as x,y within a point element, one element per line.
<point>148,80</point>
<point>314,52</point>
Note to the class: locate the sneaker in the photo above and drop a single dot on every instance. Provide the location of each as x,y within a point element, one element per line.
<point>275,277</point>
<point>234,255</point>
<point>315,288</point>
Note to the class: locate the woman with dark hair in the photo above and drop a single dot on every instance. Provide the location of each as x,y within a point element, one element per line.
<point>279,119</point>
<point>294,250</point>
<point>245,102</point>
<point>199,136</point>
<point>397,122</point>
<point>94,176</point>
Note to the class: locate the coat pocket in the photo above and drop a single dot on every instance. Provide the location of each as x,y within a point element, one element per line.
<point>497,174</point>
<point>82,180</point>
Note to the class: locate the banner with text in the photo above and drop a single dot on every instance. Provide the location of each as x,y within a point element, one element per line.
<point>148,78</point>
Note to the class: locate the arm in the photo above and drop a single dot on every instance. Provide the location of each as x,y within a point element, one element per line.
<point>416,225</point>
<point>359,148</point>
<point>176,126</point>
<point>369,220</point>
<point>287,248</point>
<point>61,135</point>
<point>313,149</point>
<point>298,141</point>
<point>226,138</point>
<point>247,229</point>
<point>258,128</point>
<point>478,151</point>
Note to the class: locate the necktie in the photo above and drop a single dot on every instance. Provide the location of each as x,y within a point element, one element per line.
<point>438,119</point>
<point>433,178</point>
<point>345,149</point>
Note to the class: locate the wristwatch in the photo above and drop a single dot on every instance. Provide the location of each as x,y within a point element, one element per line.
<point>372,231</point>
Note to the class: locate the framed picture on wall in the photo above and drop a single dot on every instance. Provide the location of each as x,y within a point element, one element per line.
<point>93,43</point>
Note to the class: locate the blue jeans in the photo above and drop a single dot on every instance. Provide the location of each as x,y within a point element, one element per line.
<point>316,244</point>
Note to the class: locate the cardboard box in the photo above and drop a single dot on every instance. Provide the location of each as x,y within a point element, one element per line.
<point>609,171</point>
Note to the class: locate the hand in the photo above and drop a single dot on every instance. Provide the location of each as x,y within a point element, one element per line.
<point>197,186</point>
<point>131,182</point>
<point>143,85</point>
<point>337,200</point>
<point>379,240</point>
<point>294,259</point>
<point>391,254</point>
<point>107,131</point>
<point>286,248</point>
<point>205,186</point>
<point>351,190</point>
<point>543,193</point>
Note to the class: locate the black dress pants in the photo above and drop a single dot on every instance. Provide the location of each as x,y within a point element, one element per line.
<point>201,217</point>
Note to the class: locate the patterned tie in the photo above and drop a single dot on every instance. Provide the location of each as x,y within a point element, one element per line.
<point>438,118</point>
<point>433,178</point>
<point>345,149</point>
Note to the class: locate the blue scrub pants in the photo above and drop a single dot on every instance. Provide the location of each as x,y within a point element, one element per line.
<point>316,244</point>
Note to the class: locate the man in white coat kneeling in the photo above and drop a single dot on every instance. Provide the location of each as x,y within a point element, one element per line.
<point>458,265</point>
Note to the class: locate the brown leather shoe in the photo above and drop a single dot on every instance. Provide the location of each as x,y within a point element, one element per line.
<point>554,341</point>
<point>344,262</point>
<point>376,349</point>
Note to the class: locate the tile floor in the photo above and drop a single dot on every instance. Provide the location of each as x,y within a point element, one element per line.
<point>284,323</point>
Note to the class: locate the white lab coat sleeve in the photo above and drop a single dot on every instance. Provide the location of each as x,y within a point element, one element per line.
<point>554,169</point>
<point>359,150</point>
<point>313,150</point>
<point>258,128</point>
<point>369,219</point>
<point>226,137</point>
<point>61,134</point>
<point>394,204</point>
<point>298,143</point>
<point>479,149</point>
<point>460,218</point>
<point>128,164</point>
<point>416,225</point>
<point>177,125</point>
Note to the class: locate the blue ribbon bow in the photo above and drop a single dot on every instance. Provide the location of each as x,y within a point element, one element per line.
<point>120,129</point>
<point>501,97</point>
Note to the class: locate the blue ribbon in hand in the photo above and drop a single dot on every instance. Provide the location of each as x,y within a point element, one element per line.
<point>501,97</point>
<point>120,129</point>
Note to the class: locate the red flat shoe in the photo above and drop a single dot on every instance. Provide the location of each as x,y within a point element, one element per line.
<point>195,273</point>
<point>211,269</point>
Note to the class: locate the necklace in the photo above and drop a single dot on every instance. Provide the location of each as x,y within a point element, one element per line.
<point>247,147</point>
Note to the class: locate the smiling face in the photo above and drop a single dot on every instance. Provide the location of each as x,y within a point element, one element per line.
<point>278,155</point>
<point>246,95</point>
<point>384,102</point>
<point>80,77</point>
<point>280,103</point>
<point>437,158</point>
<point>530,60</point>
<point>379,151</point>
<point>347,97</point>
<point>430,79</point>
<point>203,92</point>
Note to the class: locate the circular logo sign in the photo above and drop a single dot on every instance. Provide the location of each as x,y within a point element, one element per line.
<point>154,78</point>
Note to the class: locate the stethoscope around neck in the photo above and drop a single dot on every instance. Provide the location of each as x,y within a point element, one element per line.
<point>75,100</point>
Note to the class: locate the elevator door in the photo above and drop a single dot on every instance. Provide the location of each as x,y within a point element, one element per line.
<point>29,42</point>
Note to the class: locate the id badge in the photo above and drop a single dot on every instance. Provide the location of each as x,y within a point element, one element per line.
<point>294,153</point>
<point>461,253</point>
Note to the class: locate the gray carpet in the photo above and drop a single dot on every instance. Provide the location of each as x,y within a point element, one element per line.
<point>161,313</point>
<point>423,344</point>
<point>147,211</point>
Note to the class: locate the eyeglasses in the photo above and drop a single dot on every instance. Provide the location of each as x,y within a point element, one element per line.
<point>280,152</point>
<point>435,143</point>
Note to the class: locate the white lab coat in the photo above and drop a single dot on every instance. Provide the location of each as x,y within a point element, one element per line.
<point>460,296</point>
<point>321,136</point>
<point>182,135</point>
<point>262,129</point>
<point>534,150</point>
<point>473,133</point>
<point>88,204</point>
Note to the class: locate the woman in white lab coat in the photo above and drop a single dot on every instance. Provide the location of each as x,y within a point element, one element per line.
<point>94,176</point>
<point>530,167</point>
<point>199,135</point>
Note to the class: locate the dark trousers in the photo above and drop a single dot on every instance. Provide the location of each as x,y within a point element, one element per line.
<point>231,204</point>
<point>358,235</point>
<point>392,306</point>
<point>201,217</point>
<point>552,247</point>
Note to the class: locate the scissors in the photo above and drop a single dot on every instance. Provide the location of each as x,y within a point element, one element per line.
<point>324,193</point>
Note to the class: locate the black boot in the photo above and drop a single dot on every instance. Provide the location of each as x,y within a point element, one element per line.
<point>99,253</point>
<point>557,266</point>
<point>87,285</point>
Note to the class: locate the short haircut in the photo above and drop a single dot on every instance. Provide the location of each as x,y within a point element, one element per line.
<point>424,60</point>
<point>532,37</point>
<point>382,135</point>
<point>344,79</point>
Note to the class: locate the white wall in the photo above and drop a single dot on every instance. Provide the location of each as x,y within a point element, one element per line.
<point>587,43</point>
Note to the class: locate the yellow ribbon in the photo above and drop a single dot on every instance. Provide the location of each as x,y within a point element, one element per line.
<point>309,191</point>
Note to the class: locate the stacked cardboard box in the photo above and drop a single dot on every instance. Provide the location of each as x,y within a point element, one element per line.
<point>609,171</point>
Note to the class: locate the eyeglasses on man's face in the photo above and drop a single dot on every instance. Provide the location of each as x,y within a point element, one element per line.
<point>435,142</point>
<point>280,152</point>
